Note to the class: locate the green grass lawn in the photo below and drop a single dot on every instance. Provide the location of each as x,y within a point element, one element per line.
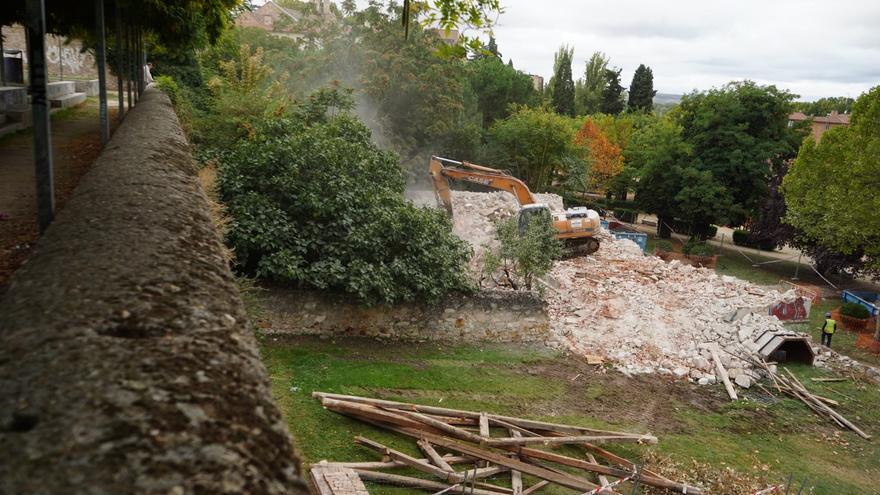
<point>701,433</point>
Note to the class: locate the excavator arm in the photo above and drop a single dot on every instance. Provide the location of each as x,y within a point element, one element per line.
<point>489,177</point>
<point>576,227</point>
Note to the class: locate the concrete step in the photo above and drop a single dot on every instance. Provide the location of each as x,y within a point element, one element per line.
<point>89,87</point>
<point>60,88</point>
<point>11,96</point>
<point>20,114</point>
<point>67,101</point>
<point>11,127</point>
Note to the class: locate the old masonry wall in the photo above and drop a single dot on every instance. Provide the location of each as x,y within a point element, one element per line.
<point>126,361</point>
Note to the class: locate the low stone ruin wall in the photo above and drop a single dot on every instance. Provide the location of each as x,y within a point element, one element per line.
<point>487,316</point>
<point>127,364</point>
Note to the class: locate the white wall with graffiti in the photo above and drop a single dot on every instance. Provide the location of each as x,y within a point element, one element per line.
<point>65,57</point>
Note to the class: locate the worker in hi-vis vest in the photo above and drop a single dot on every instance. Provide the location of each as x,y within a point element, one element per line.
<point>828,329</point>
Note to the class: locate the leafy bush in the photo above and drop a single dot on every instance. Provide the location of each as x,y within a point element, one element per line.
<point>745,238</point>
<point>741,238</point>
<point>855,310</point>
<point>663,245</point>
<point>522,256</point>
<point>243,95</point>
<point>684,227</point>
<point>315,203</point>
<point>696,247</point>
<point>179,98</point>
<point>169,87</point>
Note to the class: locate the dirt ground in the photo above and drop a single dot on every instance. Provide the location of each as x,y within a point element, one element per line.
<point>76,145</point>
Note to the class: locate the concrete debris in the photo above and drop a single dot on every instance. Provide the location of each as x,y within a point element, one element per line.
<point>743,380</point>
<point>651,315</point>
<point>474,214</point>
<point>638,312</point>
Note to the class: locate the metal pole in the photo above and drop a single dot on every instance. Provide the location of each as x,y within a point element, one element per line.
<point>120,112</point>
<point>140,62</point>
<point>36,29</point>
<point>128,66</point>
<point>876,327</point>
<point>133,74</point>
<point>101,56</point>
<point>2,60</point>
<point>60,61</point>
<point>797,267</point>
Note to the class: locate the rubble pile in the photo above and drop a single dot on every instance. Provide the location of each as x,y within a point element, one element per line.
<point>474,214</point>
<point>638,312</point>
<point>649,316</point>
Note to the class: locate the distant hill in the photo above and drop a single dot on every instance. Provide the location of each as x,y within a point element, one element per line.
<point>666,98</point>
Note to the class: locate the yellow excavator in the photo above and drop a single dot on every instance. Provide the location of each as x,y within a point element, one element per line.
<point>576,227</point>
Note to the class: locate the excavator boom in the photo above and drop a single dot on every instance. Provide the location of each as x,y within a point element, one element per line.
<point>575,227</point>
<point>489,177</point>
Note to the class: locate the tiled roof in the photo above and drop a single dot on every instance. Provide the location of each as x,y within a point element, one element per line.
<point>832,118</point>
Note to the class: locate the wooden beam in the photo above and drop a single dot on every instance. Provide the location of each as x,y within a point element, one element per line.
<point>450,476</point>
<point>370,412</point>
<point>444,427</point>
<point>450,459</point>
<point>522,423</point>
<point>484,425</point>
<point>626,463</point>
<point>723,374</point>
<point>643,439</point>
<point>516,476</point>
<point>512,427</point>
<point>527,453</point>
<point>432,454</point>
<point>567,480</point>
<point>534,488</point>
<point>602,479</point>
<point>397,480</point>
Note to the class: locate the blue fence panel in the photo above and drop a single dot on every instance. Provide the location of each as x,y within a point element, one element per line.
<point>865,298</point>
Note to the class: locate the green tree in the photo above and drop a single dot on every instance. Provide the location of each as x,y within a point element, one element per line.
<point>492,47</point>
<point>612,95</point>
<point>740,134</point>
<point>497,86</point>
<point>562,85</point>
<point>315,203</point>
<point>412,99</point>
<point>522,256</point>
<point>588,93</point>
<point>831,189</point>
<point>641,90</point>
<point>535,144</point>
<point>658,154</point>
<point>824,106</point>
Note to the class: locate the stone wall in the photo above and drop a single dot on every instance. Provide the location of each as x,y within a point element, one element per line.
<point>487,316</point>
<point>127,364</point>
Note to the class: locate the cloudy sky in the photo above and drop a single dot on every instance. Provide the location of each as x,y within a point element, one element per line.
<point>813,48</point>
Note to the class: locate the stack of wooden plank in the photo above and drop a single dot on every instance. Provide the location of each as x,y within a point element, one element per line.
<point>485,445</point>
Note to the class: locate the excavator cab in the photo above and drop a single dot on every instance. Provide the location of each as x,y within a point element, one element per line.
<point>530,213</point>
